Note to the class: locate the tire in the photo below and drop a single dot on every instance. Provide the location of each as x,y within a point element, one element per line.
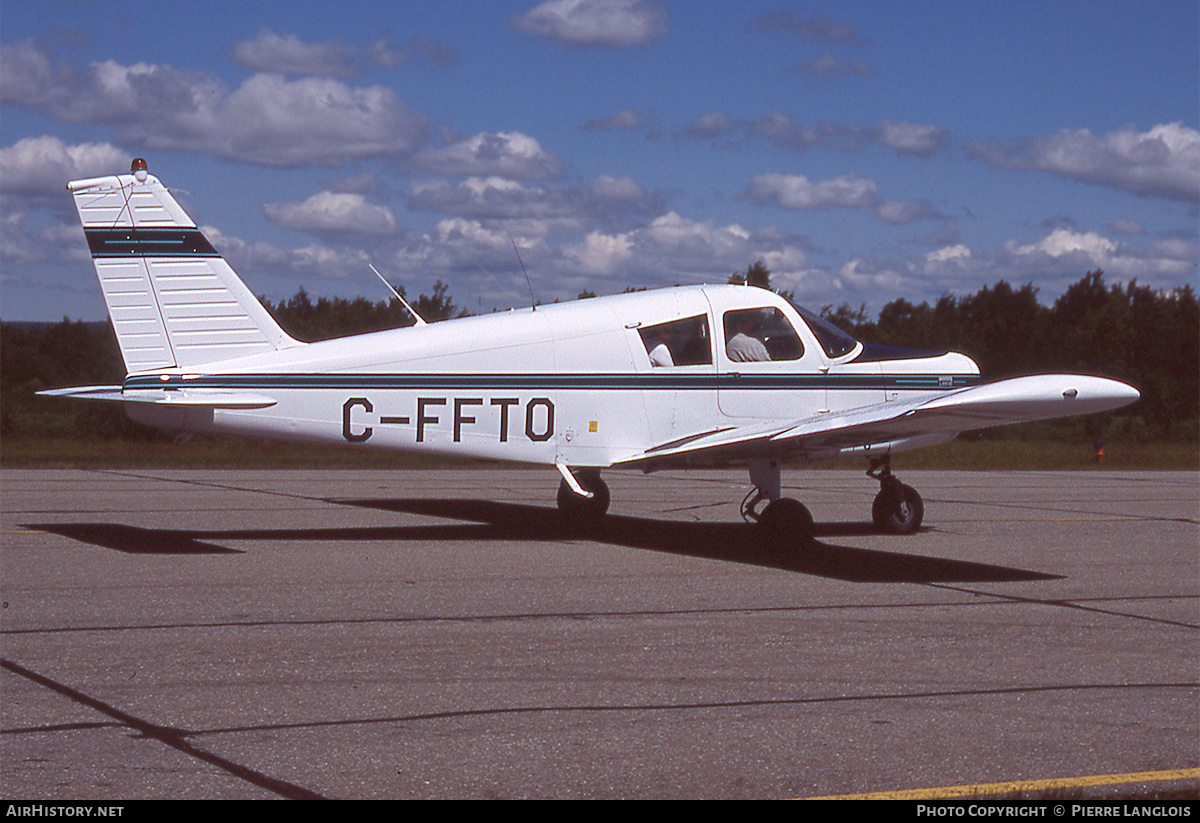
<point>898,511</point>
<point>786,522</point>
<point>583,511</point>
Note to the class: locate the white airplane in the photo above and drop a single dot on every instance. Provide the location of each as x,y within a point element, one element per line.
<point>682,377</point>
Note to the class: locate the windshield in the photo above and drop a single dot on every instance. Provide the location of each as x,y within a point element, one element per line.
<point>833,340</point>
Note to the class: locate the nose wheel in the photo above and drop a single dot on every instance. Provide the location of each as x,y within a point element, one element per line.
<point>898,509</point>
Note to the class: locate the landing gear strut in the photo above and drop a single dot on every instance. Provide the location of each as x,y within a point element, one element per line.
<point>783,520</point>
<point>579,509</point>
<point>897,509</point>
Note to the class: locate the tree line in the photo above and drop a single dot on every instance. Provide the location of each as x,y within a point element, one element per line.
<point>1147,337</point>
<point>330,317</point>
<point>1143,336</point>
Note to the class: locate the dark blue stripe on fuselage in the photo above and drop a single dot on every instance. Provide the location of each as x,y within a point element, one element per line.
<point>537,382</point>
<point>149,243</point>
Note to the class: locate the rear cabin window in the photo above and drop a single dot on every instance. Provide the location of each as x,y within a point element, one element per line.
<point>760,334</point>
<point>678,343</point>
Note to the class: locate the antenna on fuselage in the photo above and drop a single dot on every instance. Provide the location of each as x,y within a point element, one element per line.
<point>532,302</point>
<point>420,320</point>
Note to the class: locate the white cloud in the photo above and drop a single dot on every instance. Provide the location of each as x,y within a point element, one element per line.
<point>673,233</point>
<point>267,120</point>
<point>28,78</point>
<point>601,254</point>
<point>511,155</point>
<point>457,229</point>
<point>624,120</point>
<point>271,52</point>
<point>899,212</point>
<point>43,165</point>
<point>288,264</point>
<point>617,189</point>
<point>957,253</point>
<point>273,121</point>
<point>611,23</point>
<point>1051,263</point>
<point>672,249</point>
<point>1123,226</point>
<point>784,133</point>
<point>540,209</point>
<point>340,213</point>
<point>502,205</point>
<point>909,139</point>
<point>707,126</point>
<point>794,191</point>
<point>418,50</point>
<point>1161,162</point>
<point>914,139</point>
<point>863,280</point>
<point>1064,241</point>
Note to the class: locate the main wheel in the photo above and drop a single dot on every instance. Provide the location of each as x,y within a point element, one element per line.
<point>898,510</point>
<point>583,511</point>
<point>786,522</point>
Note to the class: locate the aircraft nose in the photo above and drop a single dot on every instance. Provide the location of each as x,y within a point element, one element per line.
<point>1103,393</point>
<point>1126,392</point>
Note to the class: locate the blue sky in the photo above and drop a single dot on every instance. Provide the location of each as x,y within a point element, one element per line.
<point>865,151</point>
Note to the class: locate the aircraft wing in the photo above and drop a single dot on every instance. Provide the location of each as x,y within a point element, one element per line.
<point>195,398</point>
<point>920,420</point>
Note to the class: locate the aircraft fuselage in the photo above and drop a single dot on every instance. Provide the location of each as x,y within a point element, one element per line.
<point>569,383</point>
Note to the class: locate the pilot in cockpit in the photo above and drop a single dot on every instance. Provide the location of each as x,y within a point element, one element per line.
<point>744,346</point>
<point>660,352</point>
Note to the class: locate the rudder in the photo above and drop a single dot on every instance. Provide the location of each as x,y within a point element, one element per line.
<point>173,300</point>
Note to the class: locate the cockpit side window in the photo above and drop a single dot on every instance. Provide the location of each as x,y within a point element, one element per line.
<point>760,334</point>
<point>678,343</point>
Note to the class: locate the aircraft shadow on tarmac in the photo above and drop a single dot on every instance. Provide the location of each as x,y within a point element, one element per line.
<point>494,521</point>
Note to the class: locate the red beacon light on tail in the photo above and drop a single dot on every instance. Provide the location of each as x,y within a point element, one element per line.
<point>140,169</point>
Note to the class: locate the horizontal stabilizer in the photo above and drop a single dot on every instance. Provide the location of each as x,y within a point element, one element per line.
<point>194,398</point>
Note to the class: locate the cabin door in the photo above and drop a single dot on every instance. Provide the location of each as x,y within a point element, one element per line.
<point>766,371</point>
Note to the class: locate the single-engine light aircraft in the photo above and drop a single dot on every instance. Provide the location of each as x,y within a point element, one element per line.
<point>694,376</point>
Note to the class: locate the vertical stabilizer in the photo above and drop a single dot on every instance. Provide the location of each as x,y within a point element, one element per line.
<point>173,300</point>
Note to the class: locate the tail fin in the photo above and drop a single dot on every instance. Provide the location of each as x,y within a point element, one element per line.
<point>173,300</point>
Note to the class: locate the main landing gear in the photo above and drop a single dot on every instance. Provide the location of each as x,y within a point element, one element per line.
<point>582,496</point>
<point>782,519</point>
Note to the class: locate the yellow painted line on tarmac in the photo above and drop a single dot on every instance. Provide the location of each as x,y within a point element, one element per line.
<point>983,789</point>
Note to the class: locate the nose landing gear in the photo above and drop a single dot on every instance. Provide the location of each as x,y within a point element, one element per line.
<point>897,509</point>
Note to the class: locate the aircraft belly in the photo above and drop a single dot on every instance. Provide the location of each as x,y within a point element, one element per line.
<point>512,423</point>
